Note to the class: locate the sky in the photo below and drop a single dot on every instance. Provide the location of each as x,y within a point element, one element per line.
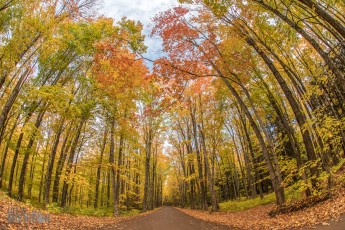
<point>139,10</point>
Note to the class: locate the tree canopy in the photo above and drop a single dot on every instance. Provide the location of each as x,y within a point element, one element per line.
<point>248,99</point>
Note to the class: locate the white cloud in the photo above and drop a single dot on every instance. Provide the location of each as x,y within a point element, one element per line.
<point>139,10</point>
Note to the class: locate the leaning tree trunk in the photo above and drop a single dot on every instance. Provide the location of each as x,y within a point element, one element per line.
<point>10,101</point>
<point>278,189</point>
<point>296,108</point>
<point>51,160</point>
<point>203,202</point>
<point>215,206</point>
<point>70,162</point>
<point>325,16</point>
<point>3,162</point>
<point>66,144</point>
<point>99,168</point>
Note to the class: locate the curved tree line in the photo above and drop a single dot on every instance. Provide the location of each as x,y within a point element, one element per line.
<point>282,63</point>
<point>249,95</point>
<point>76,123</point>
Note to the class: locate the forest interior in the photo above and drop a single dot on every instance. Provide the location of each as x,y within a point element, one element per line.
<point>239,119</point>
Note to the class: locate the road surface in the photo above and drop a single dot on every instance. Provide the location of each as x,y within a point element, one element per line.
<point>168,218</point>
<point>333,225</point>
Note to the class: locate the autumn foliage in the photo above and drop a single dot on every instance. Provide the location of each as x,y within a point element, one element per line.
<point>247,99</point>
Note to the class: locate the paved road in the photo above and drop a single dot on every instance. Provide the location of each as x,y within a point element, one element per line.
<point>168,218</point>
<point>334,225</point>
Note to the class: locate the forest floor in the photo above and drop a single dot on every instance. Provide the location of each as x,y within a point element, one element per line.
<point>323,216</point>
<point>56,221</point>
<point>326,215</point>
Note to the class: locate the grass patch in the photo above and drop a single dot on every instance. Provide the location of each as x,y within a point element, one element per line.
<point>241,205</point>
<point>132,212</point>
<point>83,211</point>
<point>55,209</point>
<point>244,204</point>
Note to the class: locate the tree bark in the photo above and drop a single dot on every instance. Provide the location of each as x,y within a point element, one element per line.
<point>10,101</point>
<point>325,16</point>
<point>4,157</point>
<point>215,206</point>
<point>203,202</point>
<point>300,116</point>
<point>99,168</point>
<point>51,160</point>
<point>27,154</point>
<point>118,173</point>
<point>70,162</point>
<point>66,144</point>
<point>148,146</point>
<point>278,189</point>
<point>112,164</point>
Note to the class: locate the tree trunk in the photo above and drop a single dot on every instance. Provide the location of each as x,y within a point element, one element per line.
<point>278,189</point>
<point>51,160</point>
<point>118,173</point>
<point>27,154</point>
<point>325,16</point>
<point>215,206</point>
<point>70,162</point>
<point>99,168</point>
<point>14,162</point>
<point>62,158</point>
<point>203,204</point>
<point>300,116</point>
<point>10,101</point>
<point>148,146</point>
<point>112,163</point>
<point>3,162</point>
<point>312,42</point>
